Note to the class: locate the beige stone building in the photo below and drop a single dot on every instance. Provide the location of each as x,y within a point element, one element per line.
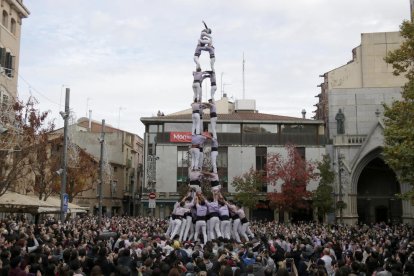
<point>123,153</point>
<point>359,88</point>
<point>12,13</point>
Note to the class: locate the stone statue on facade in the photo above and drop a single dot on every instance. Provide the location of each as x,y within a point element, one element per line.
<point>340,119</point>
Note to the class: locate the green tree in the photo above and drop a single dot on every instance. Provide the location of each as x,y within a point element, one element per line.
<point>249,188</point>
<point>399,115</point>
<point>322,198</point>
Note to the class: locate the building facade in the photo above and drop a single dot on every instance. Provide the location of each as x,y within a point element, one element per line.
<point>12,13</point>
<point>245,138</point>
<point>358,90</point>
<point>123,155</point>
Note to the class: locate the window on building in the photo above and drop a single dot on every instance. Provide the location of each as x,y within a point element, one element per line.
<point>268,128</point>
<point>222,167</point>
<point>224,182</point>
<point>183,161</point>
<point>152,141</point>
<point>128,139</point>
<point>154,128</point>
<point>302,152</point>
<point>13,26</point>
<point>259,128</point>
<point>261,159</point>
<point>177,127</point>
<point>4,99</point>
<point>299,129</point>
<point>2,58</point>
<point>251,128</point>
<point>114,184</point>
<point>183,157</point>
<point>5,19</point>
<point>131,182</point>
<point>7,61</point>
<point>228,128</point>
<point>222,158</point>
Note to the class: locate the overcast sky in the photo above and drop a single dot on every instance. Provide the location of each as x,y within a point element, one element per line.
<point>128,59</point>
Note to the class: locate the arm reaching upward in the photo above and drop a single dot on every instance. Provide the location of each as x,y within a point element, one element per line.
<point>207,28</point>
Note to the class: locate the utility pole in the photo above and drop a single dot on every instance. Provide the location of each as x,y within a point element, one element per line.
<point>411,9</point>
<point>134,191</point>
<point>119,117</point>
<point>221,84</point>
<point>340,186</point>
<point>101,161</point>
<point>63,196</point>
<point>244,90</point>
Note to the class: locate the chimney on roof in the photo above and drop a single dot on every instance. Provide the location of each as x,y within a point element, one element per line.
<point>303,114</point>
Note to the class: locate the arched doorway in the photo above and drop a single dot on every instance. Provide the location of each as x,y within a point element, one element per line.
<point>377,186</point>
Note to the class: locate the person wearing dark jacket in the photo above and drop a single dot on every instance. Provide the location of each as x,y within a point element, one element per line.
<point>15,269</point>
<point>105,262</point>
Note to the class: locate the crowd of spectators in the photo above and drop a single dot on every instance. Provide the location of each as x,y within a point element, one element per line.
<point>138,246</point>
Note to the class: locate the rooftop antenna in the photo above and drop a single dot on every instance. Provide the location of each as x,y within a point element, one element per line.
<point>60,99</point>
<point>119,116</point>
<point>244,91</point>
<point>224,84</point>
<point>87,105</point>
<point>221,83</point>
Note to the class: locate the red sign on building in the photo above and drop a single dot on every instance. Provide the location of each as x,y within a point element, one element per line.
<point>180,137</point>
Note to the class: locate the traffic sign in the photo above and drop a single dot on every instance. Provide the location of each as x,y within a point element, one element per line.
<point>151,204</point>
<point>152,195</point>
<point>65,203</point>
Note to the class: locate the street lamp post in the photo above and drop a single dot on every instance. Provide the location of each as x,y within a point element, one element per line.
<point>101,164</point>
<point>340,169</point>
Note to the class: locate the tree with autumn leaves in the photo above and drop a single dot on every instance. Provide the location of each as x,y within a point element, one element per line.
<point>31,152</point>
<point>44,162</point>
<point>290,175</point>
<point>25,125</point>
<point>83,176</point>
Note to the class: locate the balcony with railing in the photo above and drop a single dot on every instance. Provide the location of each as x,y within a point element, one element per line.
<point>259,139</point>
<point>349,140</point>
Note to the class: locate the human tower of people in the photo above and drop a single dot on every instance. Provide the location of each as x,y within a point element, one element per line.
<point>196,215</point>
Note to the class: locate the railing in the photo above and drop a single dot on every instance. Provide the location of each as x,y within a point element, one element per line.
<point>349,139</point>
<point>259,139</point>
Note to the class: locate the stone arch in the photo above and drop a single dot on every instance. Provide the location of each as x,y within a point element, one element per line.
<point>375,153</point>
<point>374,185</point>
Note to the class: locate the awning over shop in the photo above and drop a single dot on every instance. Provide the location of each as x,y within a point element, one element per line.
<point>55,202</point>
<point>18,203</point>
